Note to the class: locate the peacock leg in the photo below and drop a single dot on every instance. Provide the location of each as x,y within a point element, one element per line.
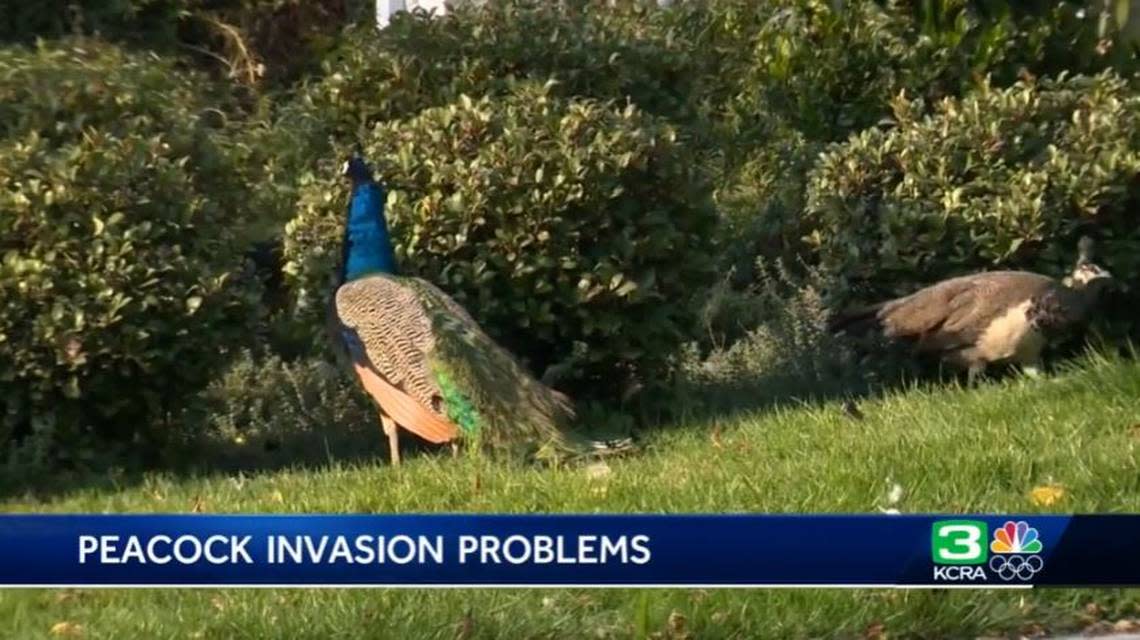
<point>454,449</point>
<point>393,432</point>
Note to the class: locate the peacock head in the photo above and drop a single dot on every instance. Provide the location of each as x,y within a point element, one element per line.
<point>356,169</point>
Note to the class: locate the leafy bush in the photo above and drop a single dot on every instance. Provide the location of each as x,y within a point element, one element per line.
<point>829,72</point>
<point>552,221</point>
<point>753,87</point>
<point>795,75</point>
<point>761,199</point>
<point>831,68</point>
<point>265,412</point>
<point>25,21</point>
<point>1004,177</point>
<point>121,207</point>
<point>270,41</point>
<point>592,49</point>
<point>768,342</point>
<point>247,39</point>
<point>1043,37</point>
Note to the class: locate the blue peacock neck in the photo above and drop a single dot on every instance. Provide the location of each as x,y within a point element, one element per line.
<point>367,244</point>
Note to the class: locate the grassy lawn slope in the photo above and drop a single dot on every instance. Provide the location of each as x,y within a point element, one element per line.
<point>1074,433</point>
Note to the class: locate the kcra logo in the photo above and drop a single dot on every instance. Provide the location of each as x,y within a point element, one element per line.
<point>959,552</point>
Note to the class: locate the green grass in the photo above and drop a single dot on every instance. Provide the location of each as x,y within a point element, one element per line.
<point>951,450</point>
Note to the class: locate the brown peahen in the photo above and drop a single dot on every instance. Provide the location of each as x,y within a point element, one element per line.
<point>975,320</point>
<point>426,362</point>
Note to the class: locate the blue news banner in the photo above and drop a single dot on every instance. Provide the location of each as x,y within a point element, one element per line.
<point>581,550</point>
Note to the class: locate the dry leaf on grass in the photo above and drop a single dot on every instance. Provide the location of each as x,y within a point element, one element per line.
<point>1047,495</point>
<point>895,495</point>
<point>466,626</point>
<point>875,631</point>
<point>67,629</point>
<point>1126,626</point>
<point>1094,611</point>
<point>67,595</point>
<point>676,627</point>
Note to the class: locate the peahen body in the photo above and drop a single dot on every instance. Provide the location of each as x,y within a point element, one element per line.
<point>425,361</point>
<point>975,320</point>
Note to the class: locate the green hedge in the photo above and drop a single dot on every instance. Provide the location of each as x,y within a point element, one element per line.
<point>247,41</point>
<point>794,75</point>
<point>1001,178</point>
<point>25,21</point>
<point>418,62</point>
<point>830,69</point>
<point>122,205</point>
<point>553,221</point>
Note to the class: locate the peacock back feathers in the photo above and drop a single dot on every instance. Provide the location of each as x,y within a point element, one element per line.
<point>421,341</point>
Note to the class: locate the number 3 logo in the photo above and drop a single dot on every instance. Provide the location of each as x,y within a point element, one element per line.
<point>959,542</point>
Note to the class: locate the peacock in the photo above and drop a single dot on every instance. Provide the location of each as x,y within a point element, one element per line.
<point>423,359</point>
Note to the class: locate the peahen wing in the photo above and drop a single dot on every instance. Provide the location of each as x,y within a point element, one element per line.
<point>952,314</point>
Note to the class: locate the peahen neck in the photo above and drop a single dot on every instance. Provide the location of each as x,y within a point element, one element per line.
<point>1081,297</point>
<point>367,245</point>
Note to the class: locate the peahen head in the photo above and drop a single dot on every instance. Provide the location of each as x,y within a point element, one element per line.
<point>367,245</point>
<point>1087,276</point>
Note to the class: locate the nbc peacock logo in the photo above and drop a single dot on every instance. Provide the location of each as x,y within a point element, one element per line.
<point>1015,547</point>
<point>1016,537</point>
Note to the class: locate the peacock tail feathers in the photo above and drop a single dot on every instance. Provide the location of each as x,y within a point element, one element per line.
<point>423,342</point>
<point>460,410</point>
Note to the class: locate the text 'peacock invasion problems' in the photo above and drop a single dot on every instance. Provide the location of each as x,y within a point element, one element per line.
<point>281,549</point>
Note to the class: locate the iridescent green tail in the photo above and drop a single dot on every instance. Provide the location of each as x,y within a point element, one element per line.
<point>491,396</point>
